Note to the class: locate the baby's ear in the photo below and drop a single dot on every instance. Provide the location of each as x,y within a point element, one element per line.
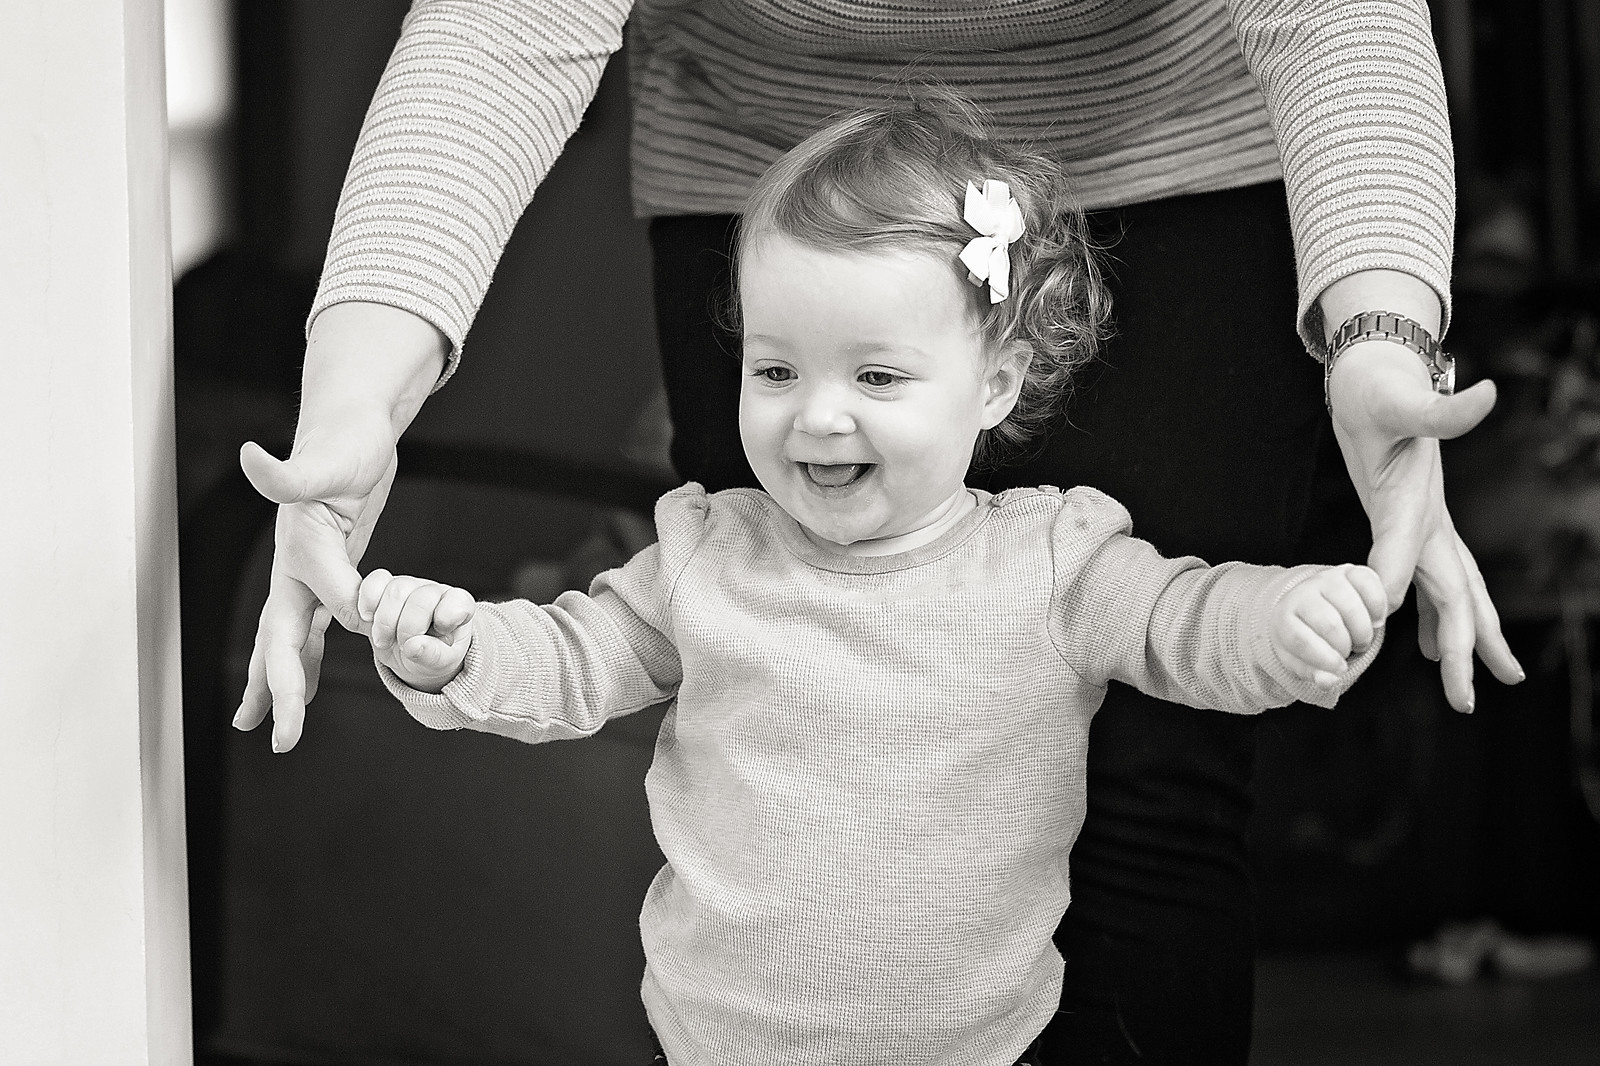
<point>1003,384</point>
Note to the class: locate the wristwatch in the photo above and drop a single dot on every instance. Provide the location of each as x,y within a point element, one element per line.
<point>1388,326</point>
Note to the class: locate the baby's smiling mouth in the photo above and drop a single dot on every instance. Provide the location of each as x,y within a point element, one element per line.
<point>836,475</point>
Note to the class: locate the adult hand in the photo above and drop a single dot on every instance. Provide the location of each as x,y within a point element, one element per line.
<point>1389,421</point>
<point>368,369</point>
<point>330,493</point>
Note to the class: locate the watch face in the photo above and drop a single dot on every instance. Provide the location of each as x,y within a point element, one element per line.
<point>1445,380</point>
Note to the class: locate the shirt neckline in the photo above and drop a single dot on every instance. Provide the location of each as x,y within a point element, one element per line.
<point>802,547</point>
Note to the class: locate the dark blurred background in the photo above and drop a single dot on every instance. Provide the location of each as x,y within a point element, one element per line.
<point>1428,884</point>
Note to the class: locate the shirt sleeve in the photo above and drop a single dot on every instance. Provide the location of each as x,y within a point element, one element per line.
<point>1176,629</point>
<point>1357,100</point>
<point>477,101</point>
<point>561,671</point>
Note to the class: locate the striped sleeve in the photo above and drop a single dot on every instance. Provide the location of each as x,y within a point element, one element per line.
<point>476,103</point>
<point>1357,100</point>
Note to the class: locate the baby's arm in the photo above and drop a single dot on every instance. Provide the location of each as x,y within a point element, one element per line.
<point>420,629</point>
<point>1232,637</point>
<point>1322,621</point>
<point>541,672</point>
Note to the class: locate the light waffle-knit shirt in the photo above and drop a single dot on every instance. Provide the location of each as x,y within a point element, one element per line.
<point>1137,99</point>
<point>872,772</point>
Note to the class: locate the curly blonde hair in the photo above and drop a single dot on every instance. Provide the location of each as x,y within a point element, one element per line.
<point>895,177</point>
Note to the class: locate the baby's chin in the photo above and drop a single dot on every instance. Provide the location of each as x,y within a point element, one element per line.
<point>861,539</point>
<point>830,536</point>
<point>842,531</point>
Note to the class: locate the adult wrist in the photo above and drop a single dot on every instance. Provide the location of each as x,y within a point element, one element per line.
<point>366,359</point>
<point>1395,328</point>
<point>1391,290</point>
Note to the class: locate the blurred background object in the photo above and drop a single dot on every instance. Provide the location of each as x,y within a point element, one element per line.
<point>200,83</point>
<point>1429,884</point>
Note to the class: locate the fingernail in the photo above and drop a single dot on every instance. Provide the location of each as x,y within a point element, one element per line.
<point>237,717</point>
<point>275,749</point>
<point>1325,678</point>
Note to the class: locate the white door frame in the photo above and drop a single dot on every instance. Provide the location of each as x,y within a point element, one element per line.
<point>93,910</point>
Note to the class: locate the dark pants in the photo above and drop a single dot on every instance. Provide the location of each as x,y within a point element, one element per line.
<point>1205,419</point>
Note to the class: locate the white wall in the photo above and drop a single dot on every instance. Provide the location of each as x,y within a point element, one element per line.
<point>93,945</point>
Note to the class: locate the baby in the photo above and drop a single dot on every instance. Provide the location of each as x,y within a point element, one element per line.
<point>871,772</point>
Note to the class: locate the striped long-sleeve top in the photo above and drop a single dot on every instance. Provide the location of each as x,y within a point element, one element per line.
<point>1138,99</point>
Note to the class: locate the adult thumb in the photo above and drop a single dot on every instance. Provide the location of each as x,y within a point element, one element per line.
<point>293,480</point>
<point>1445,417</point>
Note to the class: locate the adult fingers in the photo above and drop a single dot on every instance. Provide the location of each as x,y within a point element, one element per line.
<point>336,582</point>
<point>1455,669</point>
<point>1394,559</point>
<point>311,548</point>
<point>282,630</point>
<point>287,679</point>
<point>283,637</point>
<point>256,703</point>
<point>311,653</point>
<point>1443,580</point>
<point>1427,627</point>
<point>1403,508</point>
<point>1492,647</point>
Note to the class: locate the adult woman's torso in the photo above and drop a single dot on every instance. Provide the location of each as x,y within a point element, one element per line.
<point>1140,99</point>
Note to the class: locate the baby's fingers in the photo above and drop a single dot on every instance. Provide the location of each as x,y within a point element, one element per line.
<point>369,595</point>
<point>1309,654</point>
<point>1352,631</point>
<point>418,615</point>
<point>386,614</point>
<point>456,608</point>
<point>1369,586</point>
<point>426,654</point>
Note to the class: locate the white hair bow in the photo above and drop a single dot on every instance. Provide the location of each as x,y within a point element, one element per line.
<point>998,220</point>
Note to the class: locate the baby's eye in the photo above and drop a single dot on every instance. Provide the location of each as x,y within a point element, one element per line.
<point>878,379</point>
<point>777,375</point>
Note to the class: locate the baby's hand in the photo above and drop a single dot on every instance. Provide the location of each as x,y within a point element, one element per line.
<point>1327,618</point>
<point>420,629</point>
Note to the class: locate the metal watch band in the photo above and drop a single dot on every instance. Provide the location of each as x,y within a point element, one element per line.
<point>1389,326</point>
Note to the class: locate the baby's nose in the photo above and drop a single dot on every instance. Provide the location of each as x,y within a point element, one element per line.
<point>825,411</point>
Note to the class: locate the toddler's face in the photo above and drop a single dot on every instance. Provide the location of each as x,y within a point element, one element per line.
<point>865,387</point>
